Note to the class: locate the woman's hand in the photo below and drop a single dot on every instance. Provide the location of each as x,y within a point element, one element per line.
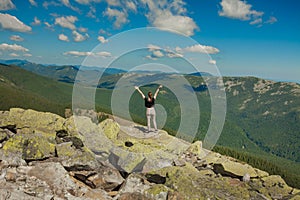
<point>160,86</point>
<point>136,87</point>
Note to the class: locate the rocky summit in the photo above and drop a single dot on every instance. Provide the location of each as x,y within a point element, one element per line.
<point>46,156</point>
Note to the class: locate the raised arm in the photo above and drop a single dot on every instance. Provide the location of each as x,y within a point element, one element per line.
<point>156,92</point>
<point>138,89</point>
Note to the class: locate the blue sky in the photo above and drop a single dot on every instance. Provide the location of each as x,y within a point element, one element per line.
<point>256,38</point>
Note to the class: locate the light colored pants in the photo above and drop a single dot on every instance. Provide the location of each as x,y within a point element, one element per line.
<point>150,113</point>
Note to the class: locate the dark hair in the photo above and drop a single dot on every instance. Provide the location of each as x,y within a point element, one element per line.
<point>150,94</point>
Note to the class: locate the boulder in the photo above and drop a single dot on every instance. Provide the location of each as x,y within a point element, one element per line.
<point>110,128</point>
<point>234,169</point>
<point>190,184</point>
<point>76,159</point>
<point>107,179</point>
<point>134,195</point>
<point>54,175</point>
<point>34,120</point>
<point>275,187</point>
<point>31,147</point>
<point>3,135</point>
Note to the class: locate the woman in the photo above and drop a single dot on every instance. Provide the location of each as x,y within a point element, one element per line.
<point>149,104</point>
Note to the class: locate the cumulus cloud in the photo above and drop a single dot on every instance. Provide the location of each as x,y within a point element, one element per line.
<point>82,53</point>
<point>157,54</point>
<point>12,23</point>
<point>36,21</point>
<point>66,22</point>
<point>63,37</point>
<point>12,47</point>
<point>213,62</point>
<point>198,48</point>
<point>238,9</point>
<point>256,21</point>
<point>14,55</point>
<point>46,4</point>
<point>153,47</point>
<point>131,6</point>
<point>271,20</point>
<point>79,37</point>
<point>16,38</point>
<point>113,2</point>
<point>67,4</point>
<point>102,39</point>
<point>27,55</point>
<point>104,54</point>
<point>86,2</point>
<point>83,30</point>
<point>6,5</point>
<point>119,16</point>
<point>32,2</point>
<point>169,15</point>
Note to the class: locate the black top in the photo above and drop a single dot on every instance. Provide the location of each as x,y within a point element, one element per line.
<point>149,104</point>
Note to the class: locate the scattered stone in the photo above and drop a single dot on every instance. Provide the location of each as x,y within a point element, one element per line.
<point>246,178</point>
<point>134,183</point>
<point>3,135</point>
<point>156,178</point>
<point>179,162</point>
<point>74,159</point>
<point>128,144</point>
<point>134,195</point>
<point>234,169</point>
<point>11,174</point>
<point>107,179</point>
<point>63,164</point>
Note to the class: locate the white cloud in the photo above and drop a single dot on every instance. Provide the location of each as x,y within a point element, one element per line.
<point>157,54</point>
<point>131,6</point>
<point>67,4</point>
<point>103,32</point>
<point>66,22</point>
<point>12,23</point>
<point>79,37</point>
<point>256,21</point>
<point>27,55</point>
<point>153,47</point>
<point>213,62</point>
<point>6,5</point>
<point>82,53</point>
<point>36,21</point>
<point>198,48</point>
<point>119,16</point>
<point>238,9</point>
<point>33,3</point>
<point>14,55</point>
<point>104,54</point>
<point>113,2</point>
<point>12,47</point>
<point>169,15</point>
<point>102,39</point>
<point>83,30</point>
<point>271,20</point>
<point>16,38</point>
<point>78,53</point>
<point>46,4</point>
<point>87,2</point>
<point>63,37</point>
<point>92,12</point>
